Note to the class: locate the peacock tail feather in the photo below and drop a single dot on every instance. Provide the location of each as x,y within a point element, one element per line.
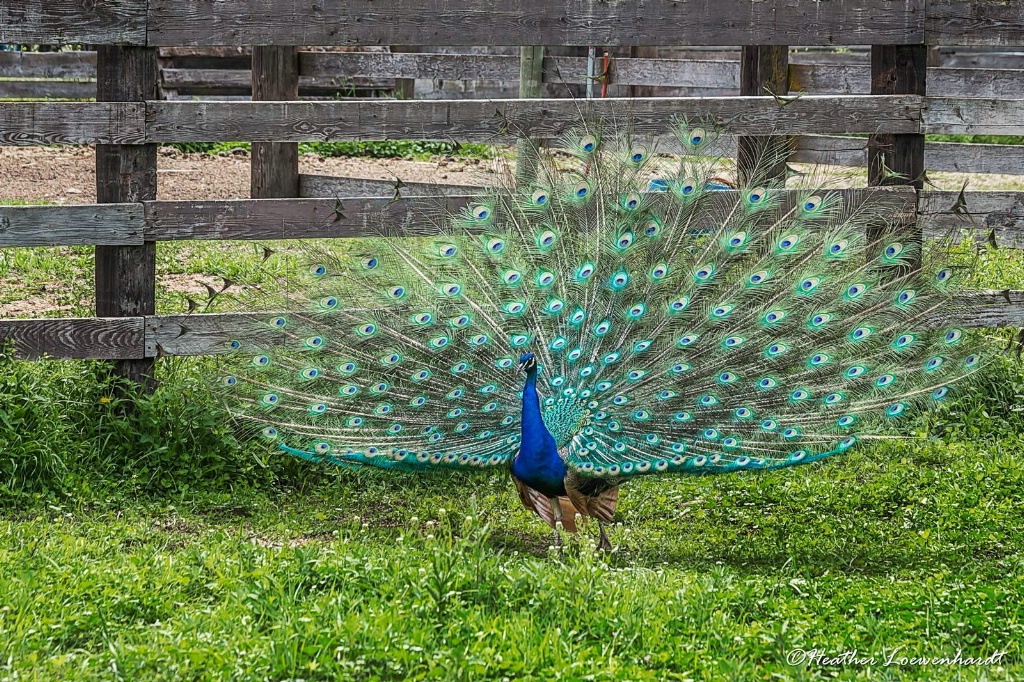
<point>681,330</point>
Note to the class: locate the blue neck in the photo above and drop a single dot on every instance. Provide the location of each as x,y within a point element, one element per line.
<point>538,462</point>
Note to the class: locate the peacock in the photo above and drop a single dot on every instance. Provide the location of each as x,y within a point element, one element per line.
<point>623,309</point>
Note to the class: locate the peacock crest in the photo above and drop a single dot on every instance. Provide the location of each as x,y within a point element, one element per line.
<point>678,325</point>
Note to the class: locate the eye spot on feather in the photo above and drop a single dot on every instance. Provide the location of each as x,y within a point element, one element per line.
<point>582,189</point>
<point>940,393</point>
<point>348,390</point>
<point>971,361</point>
<point>545,278</point>
<point>696,137</point>
<point>585,271</point>
<point>860,333</point>
<point>631,201</point>
<point>638,154</point>
<point>812,204</point>
<point>895,410</point>
<point>680,368</point>
<point>756,196</point>
<point>451,289</point>
<point>546,239</point>
<point>766,383</point>
<point>261,361</point>
<point>588,143</point>
<point>885,381</point>
<point>229,380</point>
<point>687,187</point>
<point>539,197</point>
<point>495,245</point>
<point>269,433</point>
<point>481,212</point>
<point>653,227</point>
<point>905,297</point>
<point>369,263</point>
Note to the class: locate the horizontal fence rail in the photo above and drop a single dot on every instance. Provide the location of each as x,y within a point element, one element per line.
<point>327,73</point>
<point>995,216</point>
<point>518,22</point>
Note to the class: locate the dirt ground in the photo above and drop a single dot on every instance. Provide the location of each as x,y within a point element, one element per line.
<point>67,175</point>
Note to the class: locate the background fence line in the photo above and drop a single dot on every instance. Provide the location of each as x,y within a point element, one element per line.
<point>142,70</point>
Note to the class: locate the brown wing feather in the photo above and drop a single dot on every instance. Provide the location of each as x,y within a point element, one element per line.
<point>539,505</point>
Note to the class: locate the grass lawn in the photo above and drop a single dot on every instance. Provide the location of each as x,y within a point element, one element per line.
<point>152,545</point>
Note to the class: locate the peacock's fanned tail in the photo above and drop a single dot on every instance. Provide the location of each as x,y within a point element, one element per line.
<point>685,330</point>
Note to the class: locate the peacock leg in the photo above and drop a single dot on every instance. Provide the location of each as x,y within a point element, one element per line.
<point>556,512</point>
<point>605,542</point>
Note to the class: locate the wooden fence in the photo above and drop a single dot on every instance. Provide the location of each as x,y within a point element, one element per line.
<point>884,99</point>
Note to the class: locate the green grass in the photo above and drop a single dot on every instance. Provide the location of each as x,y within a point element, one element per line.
<point>151,544</point>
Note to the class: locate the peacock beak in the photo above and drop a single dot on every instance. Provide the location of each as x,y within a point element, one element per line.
<point>522,366</point>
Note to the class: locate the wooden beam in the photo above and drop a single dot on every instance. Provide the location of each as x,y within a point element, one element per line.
<point>88,338</point>
<point>526,22</point>
<point>764,70</point>
<point>93,224</point>
<point>48,64</point>
<point>897,158</point>
<point>326,186</point>
<point>296,218</point>
<point>275,165</point>
<point>47,90</point>
<point>967,116</point>
<point>126,275</point>
<point>34,123</point>
<point>974,22</point>
<point>531,77</point>
<point>60,22</point>
<point>503,120</point>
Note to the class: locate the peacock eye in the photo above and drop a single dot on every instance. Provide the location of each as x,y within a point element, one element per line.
<point>451,289</point>
<point>396,292</point>
<point>582,189</point>
<point>481,212</point>
<point>314,342</point>
<point>653,227</point>
<point>447,250</point>
<point>631,201</point>
<point>495,245</point>
<point>686,187</point>
<point>812,204</point>
<point>539,197</point>
<point>756,196</point>
<point>893,250</point>
<point>638,154</point>
<point>317,270</point>
<point>546,239</point>
<point>696,137</point>
<point>944,275</point>
<point>588,143</point>
<point>369,263</point>
<point>624,241</point>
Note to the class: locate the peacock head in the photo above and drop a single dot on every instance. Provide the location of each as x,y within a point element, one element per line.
<point>528,363</point>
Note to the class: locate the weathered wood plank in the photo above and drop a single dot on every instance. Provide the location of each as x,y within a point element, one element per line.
<point>295,218</point>
<point>217,79</point>
<point>274,165</point>
<point>993,217</point>
<point>126,275</point>
<point>60,22</point>
<point>46,90</point>
<point>952,116</point>
<point>32,123</point>
<point>317,186</point>
<point>178,335</point>
<point>812,77</point>
<point>856,80</point>
<point>497,121</point>
<point>529,22</point>
<point>975,22</point>
<point>88,338</point>
<point>48,64</point>
<point>974,158</point>
<point>991,308</point>
<point>107,224</point>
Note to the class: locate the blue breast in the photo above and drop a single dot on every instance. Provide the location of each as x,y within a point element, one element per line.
<point>538,464</point>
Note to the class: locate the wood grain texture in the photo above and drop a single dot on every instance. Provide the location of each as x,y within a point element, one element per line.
<point>296,218</point>
<point>88,338</point>
<point>274,165</point>
<point>897,159</point>
<point>59,22</point>
<point>108,224</point>
<point>501,120</point>
<point>531,22</point>
<point>178,335</point>
<point>126,275</point>
<point>991,309</point>
<point>47,90</point>
<point>989,217</point>
<point>975,22</point>
<point>856,80</point>
<point>327,186</point>
<point>241,79</point>
<point>48,64</point>
<point>952,116</point>
<point>33,123</point>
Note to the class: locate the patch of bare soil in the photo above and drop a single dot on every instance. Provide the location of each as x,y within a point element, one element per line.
<point>67,175</point>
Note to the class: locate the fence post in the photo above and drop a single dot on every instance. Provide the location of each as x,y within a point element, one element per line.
<point>897,159</point>
<point>531,86</point>
<point>126,275</point>
<point>275,165</point>
<point>764,70</point>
